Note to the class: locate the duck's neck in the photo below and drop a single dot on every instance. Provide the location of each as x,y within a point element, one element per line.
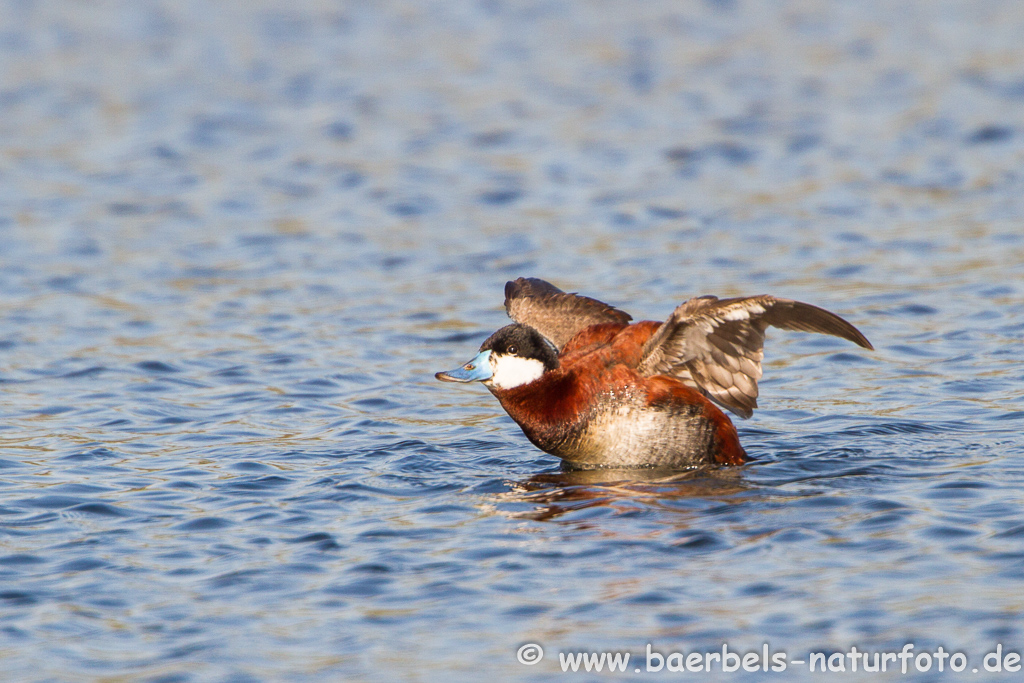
<point>549,409</point>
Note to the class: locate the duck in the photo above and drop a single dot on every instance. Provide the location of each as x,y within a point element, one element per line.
<point>589,386</point>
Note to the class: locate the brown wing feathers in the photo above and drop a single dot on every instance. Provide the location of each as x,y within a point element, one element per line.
<point>718,344</point>
<point>556,314</point>
<point>794,315</point>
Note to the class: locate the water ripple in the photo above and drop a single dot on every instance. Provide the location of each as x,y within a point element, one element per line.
<point>224,456</point>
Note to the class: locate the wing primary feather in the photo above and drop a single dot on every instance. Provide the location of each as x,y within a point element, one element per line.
<point>795,315</point>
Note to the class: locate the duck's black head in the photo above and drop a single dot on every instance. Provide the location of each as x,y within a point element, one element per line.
<point>514,355</point>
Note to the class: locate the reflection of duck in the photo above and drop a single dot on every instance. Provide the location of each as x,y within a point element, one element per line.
<point>553,494</point>
<point>586,385</point>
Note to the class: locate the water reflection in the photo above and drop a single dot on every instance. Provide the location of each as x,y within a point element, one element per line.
<point>553,494</point>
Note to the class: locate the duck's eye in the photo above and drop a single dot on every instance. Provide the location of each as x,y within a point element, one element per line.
<point>512,350</point>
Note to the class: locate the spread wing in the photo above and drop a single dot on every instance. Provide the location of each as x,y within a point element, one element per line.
<point>716,345</point>
<point>556,314</point>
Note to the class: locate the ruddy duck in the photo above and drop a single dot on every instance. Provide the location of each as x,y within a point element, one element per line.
<point>586,385</point>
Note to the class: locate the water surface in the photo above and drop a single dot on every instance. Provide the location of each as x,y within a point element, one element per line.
<point>238,240</point>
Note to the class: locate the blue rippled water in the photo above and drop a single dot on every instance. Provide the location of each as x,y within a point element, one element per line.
<point>237,240</point>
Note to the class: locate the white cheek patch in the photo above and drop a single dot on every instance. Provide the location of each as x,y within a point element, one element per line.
<point>512,371</point>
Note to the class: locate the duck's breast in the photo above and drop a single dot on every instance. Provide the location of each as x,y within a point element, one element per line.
<point>627,429</point>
